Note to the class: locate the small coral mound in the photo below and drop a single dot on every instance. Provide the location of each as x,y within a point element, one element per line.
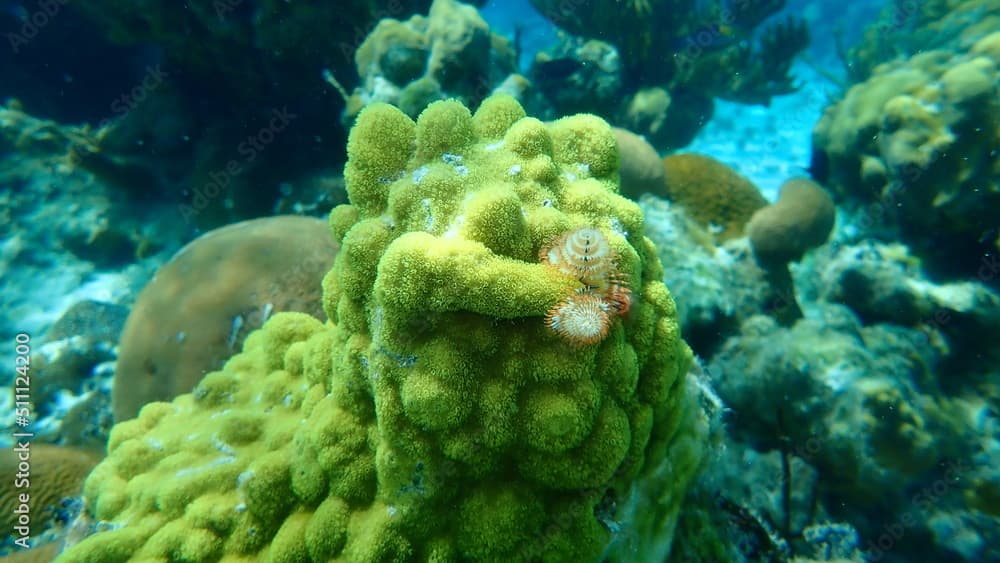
<point>201,305</point>
<point>801,219</point>
<point>435,417</point>
<point>852,390</point>
<point>713,194</point>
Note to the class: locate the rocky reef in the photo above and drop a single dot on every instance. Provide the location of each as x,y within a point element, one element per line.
<point>516,338</point>
<point>911,152</point>
<point>450,53</point>
<point>662,62</point>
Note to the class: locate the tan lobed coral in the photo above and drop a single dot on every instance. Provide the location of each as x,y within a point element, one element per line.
<point>915,149</point>
<point>904,29</point>
<point>200,306</point>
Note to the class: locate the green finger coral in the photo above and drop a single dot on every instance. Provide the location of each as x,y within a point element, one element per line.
<point>436,417</point>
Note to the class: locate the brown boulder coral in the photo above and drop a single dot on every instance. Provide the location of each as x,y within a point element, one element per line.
<point>198,308</point>
<point>714,195</point>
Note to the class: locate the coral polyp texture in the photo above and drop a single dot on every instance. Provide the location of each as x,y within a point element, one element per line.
<point>435,417</point>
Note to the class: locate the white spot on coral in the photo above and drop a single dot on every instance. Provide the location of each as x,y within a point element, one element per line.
<point>214,463</point>
<point>514,170</point>
<point>616,226</point>
<point>454,228</point>
<point>569,176</point>
<point>426,204</point>
<point>456,161</point>
<point>583,168</point>
<point>840,376</point>
<point>494,146</point>
<point>419,174</point>
<point>391,511</point>
<point>234,331</point>
<point>390,179</point>
<point>244,477</point>
<point>222,446</point>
